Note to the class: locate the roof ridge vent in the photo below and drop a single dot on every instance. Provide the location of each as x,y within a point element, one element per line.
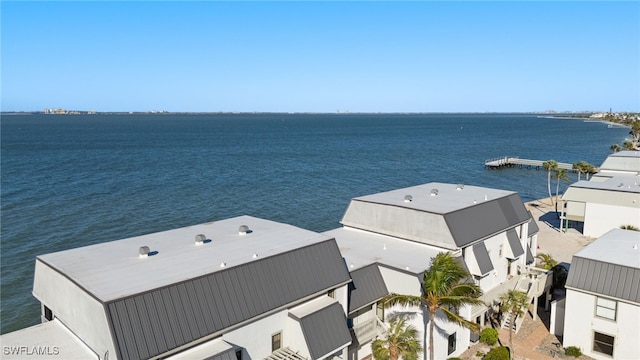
<point>434,192</point>
<point>408,198</point>
<point>459,186</point>
<point>244,230</point>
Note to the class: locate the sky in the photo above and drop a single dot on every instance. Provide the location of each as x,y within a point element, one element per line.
<point>304,56</point>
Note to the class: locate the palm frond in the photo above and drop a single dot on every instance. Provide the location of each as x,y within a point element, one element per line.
<point>455,318</point>
<point>404,300</point>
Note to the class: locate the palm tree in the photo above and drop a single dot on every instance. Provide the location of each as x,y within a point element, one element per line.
<point>401,341</point>
<point>559,174</point>
<point>550,165</point>
<point>629,227</point>
<point>579,167</point>
<point>444,288</point>
<point>546,260</point>
<point>635,132</point>
<point>515,303</point>
<point>589,169</point>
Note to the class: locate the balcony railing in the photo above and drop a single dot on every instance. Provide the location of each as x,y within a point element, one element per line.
<point>368,330</point>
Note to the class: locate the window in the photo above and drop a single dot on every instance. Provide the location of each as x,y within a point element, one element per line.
<point>331,294</point>
<point>276,341</point>
<point>603,343</point>
<point>452,344</point>
<point>238,354</point>
<point>606,308</point>
<point>500,251</point>
<point>48,314</point>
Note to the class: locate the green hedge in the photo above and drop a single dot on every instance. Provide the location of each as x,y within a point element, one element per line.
<point>489,336</point>
<point>497,353</point>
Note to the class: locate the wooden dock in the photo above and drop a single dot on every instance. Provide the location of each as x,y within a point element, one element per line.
<point>507,161</point>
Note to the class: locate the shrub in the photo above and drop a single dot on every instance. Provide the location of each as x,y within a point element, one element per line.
<point>489,336</point>
<point>497,353</point>
<point>573,351</point>
<point>479,353</point>
<point>454,359</point>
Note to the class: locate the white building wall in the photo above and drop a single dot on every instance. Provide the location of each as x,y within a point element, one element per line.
<point>403,283</point>
<point>400,282</point>
<point>496,247</point>
<point>600,218</point>
<point>75,308</point>
<point>581,323</point>
<point>255,337</point>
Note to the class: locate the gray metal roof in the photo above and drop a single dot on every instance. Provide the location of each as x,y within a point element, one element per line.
<point>325,331</point>
<point>530,258</point>
<point>482,257</point>
<point>366,288</point>
<point>486,219</point>
<point>514,244</point>
<point>154,322</point>
<point>609,266</point>
<point>533,226</point>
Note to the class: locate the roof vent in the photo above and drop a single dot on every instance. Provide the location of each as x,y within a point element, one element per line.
<point>255,255</point>
<point>434,192</point>
<point>635,246</point>
<point>244,230</point>
<point>223,264</point>
<point>459,186</point>
<point>621,185</point>
<point>201,239</point>
<point>144,251</point>
<point>408,198</point>
<point>486,198</point>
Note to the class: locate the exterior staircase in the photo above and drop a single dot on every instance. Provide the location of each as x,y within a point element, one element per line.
<point>533,285</point>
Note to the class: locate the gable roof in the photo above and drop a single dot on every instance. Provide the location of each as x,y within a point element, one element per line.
<point>515,248</point>
<point>325,328</point>
<point>445,215</point>
<point>609,266</point>
<point>533,226</point>
<point>154,322</point>
<point>366,288</point>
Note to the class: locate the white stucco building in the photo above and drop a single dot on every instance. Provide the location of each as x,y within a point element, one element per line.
<point>392,236</point>
<point>241,288</point>
<point>602,310</point>
<point>249,288</point>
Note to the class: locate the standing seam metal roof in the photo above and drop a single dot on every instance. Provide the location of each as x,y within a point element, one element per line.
<point>482,257</point>
<point>620,282</point>
<point>152,323</point>
<point>485,219</point>
<point>366,288</point>
<point>514,243</point>
<point>325,330</point>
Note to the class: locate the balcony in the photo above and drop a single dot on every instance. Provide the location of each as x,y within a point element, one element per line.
<point>368,330</point>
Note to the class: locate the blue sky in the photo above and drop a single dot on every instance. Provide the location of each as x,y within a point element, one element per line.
<point>419,56</point>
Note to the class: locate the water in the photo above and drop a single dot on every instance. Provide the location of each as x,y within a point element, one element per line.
<point>70,181</point>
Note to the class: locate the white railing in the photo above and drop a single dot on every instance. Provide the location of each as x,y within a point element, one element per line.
<point>368,330</point>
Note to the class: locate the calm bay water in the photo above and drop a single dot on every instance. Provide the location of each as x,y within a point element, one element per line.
<point>70,181</point>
